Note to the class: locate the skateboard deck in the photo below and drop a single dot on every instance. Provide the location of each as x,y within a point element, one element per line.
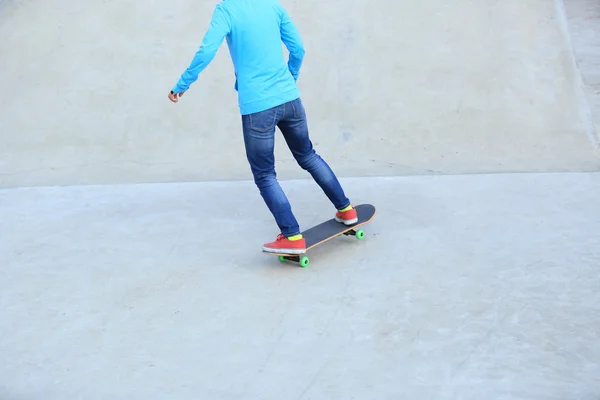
<point>329,229</point>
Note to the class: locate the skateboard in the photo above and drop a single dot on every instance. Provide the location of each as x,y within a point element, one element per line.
<point>327,230</point>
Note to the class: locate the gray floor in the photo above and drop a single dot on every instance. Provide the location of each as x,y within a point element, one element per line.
<point>465,287</point>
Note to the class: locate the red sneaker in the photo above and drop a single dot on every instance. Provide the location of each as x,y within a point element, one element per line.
<point>285,246</point>
<point>347,217</point>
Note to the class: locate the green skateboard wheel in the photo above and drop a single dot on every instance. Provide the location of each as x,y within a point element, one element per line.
<point>282,258</point>
<point>304,261</point>
<point>360,234</point>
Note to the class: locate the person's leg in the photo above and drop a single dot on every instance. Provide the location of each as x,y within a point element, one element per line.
<point>259,131</point>
<point>294,127</point>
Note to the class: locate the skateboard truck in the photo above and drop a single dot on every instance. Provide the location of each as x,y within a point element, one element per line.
<point>302,260</point>
<point>359,233</point>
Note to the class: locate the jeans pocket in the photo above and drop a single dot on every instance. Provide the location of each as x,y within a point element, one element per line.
<point>298,108</point>
<point>263,121</point>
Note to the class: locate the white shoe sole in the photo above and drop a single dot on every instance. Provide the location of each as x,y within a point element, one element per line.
<point>347,222</point>
<point>284,251</point>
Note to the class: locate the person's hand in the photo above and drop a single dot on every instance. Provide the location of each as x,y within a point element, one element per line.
<point>174,97</point>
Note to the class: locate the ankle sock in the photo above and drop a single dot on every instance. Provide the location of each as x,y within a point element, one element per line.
<point>347,208</point>
<point>295,237</point>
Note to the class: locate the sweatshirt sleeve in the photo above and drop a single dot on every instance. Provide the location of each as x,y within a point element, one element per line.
<point>220,27</point>
<point>293,42</point>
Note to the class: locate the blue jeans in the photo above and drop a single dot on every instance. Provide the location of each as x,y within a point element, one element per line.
<point>259,138</point>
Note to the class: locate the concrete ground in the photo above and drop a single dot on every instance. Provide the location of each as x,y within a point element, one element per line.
<point>465,287</point>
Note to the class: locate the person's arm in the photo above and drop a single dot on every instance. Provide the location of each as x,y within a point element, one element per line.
<point>293,42</point>
<point>218,29</point>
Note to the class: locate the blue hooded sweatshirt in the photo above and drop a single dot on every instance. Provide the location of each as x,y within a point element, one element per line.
<point>254,30</point>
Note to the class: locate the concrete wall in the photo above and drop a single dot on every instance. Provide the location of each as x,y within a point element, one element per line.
<point>584,28</point>
<point>390,88</point>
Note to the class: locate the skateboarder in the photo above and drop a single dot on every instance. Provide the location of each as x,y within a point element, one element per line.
<point>268,98</point>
